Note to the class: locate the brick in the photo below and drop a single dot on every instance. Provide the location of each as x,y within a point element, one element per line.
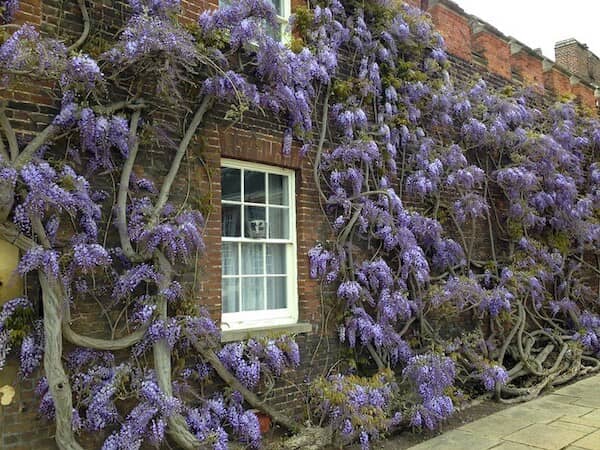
<point>528,64</point>
<point>453,25</point>
<point>494,47</point>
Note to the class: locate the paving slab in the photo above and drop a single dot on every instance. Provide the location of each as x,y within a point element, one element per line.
<point>548,403</point>
<point>560,423</point>
<point>591,399</point>
<point>514,446</point>
<point>585,420</point>
<point>562,398</point>
<point>495,426</point>
<point>589,442</point>
<point>594,415</point>
<point>529,415</point>
<point>545,436</point>
<point>568,418</point>
<point>458,440</point>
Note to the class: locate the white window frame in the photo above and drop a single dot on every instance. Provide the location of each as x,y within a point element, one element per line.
<point>283,20</point>
<point>268,317</point>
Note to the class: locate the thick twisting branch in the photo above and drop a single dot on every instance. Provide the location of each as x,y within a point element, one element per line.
<point>178,429</point>
<point>121,219</point>
<point>102,344</point>
<point>54,299</point>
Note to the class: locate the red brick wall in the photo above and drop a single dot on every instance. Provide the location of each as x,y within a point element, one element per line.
<point>529,67</point>
<point>495,50</point>
<point>557,82</point>
<point>30,11</point>
<point>455,29</point>
<point>585,95</point>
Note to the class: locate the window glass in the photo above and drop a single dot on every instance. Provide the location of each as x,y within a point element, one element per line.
<point>276,255</point>
<point>231,219</point>
<point>254,294</point>
<point>278,223</point>
<point>258,244</point>
<point>256,222</point>
<point>230,295</point>
<point>254,187</point>
<point>230,251</point>
<point>252,259</point>
<point>230,184</point>
<point>278,190</point>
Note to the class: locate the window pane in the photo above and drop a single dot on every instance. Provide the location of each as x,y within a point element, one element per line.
<point>278,4</point>
<point>229,251</point>
<point>279,223</point>
<point>254,186</point>
<point>276,254</point>
<point>231,184</point>
<point>230,295</point>
<point>278,190</point>
<point>231,220</point>
<point>252,259</point>
<point>253,294</point>
<point>276,293</point>
<point>256,224</point>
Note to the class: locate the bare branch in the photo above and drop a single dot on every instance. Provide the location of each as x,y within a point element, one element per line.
<point>11,137</point>
<point>183,146</point>
<point>249,396</point>
<point>11,234</point>
<point>86,27</point>
<point>40,139</point>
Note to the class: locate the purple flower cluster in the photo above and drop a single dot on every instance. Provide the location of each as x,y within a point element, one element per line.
<point>99,135</point>
<point>26,51</point>
<point>358,408</point>
<point>147,420</point>
<point>218,419</point>
<point>46,407</point>
<point>38,258</point>
<point>32,349</point>
<point>179,236</point>
<point>493,377</point>
<point>155,7</point>
<point>127,283</point>
<point>430,375</point>
<point>87,257</point>
<point>81,73</point>
<point>8,9</point>
<point>159,330</point>
<point>65,191</point>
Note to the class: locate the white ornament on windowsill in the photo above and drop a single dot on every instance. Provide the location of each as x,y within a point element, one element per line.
<point>258,229</point>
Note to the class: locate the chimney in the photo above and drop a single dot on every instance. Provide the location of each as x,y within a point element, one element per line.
<point>578,59</point>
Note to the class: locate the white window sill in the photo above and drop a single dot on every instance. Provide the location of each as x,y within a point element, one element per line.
<point>247,333</point>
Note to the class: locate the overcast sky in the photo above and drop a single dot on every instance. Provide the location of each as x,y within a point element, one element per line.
<point>541,23</point>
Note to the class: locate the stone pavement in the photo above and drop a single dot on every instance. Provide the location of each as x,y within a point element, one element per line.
<point>569,418</point>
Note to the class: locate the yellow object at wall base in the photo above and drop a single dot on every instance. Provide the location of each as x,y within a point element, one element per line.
<point>11,284</point>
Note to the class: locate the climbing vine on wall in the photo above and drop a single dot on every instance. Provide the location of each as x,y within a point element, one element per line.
<point>443,201</point>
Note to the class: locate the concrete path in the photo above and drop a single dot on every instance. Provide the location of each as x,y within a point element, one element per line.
<point>569,418</point>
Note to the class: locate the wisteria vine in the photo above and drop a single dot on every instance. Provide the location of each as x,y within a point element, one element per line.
<point>443,201</point>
